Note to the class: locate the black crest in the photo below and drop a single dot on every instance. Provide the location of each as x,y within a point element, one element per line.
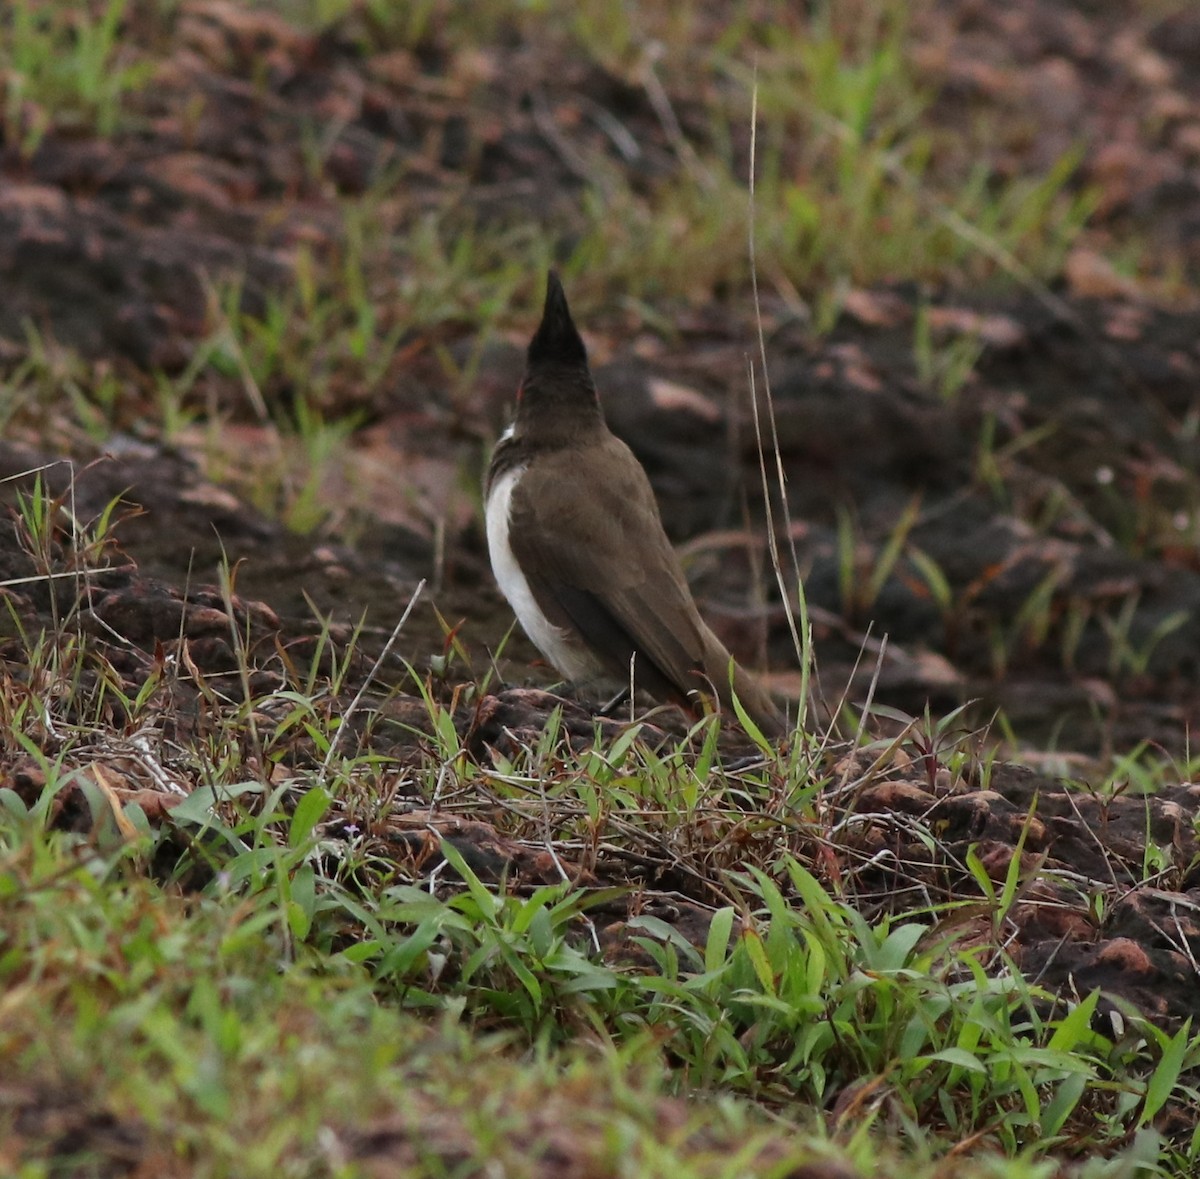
<point>557,340</point>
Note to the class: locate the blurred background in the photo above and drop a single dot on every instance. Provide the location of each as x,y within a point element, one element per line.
<point>274,265</point>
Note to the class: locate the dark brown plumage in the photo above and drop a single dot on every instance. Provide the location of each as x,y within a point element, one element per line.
<point>578,546</point>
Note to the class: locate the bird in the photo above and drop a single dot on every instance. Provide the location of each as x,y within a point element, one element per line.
<point>578,548</point>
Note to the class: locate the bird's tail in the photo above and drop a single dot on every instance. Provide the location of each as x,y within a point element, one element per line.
<point>755,700</point>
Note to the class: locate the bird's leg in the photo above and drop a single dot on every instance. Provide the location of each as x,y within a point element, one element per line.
<point>610,706</point>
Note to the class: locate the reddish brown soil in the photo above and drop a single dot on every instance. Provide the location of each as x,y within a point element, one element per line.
<point>1088,489</point>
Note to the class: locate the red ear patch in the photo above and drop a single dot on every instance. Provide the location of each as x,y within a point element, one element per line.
<point>520,392</point>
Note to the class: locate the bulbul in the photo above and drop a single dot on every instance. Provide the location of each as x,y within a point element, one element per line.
<point>578,547</point>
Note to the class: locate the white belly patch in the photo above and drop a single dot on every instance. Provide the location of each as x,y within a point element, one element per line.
<point>569,659</point>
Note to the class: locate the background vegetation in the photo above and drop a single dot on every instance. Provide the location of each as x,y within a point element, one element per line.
<point>354,939</point>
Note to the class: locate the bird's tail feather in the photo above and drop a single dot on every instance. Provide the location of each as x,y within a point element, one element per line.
<point>755,700</point>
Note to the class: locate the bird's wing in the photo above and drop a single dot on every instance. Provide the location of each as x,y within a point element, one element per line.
<point>641,605</point>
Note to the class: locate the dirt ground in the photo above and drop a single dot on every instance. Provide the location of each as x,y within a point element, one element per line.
<point>1058,491</point>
